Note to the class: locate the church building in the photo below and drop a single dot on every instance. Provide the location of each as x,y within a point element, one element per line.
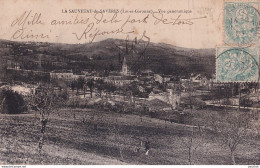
<point>125,71</point>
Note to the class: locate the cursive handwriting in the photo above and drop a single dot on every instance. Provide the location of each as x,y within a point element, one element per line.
<point>24,21</point>
<point>94,26</point>
<point>24,34</point>
<point>132,21</point>
<point>131,45</point>
<point>134,47</point>
<point>159,18</point>
<point>99,17</point>
<point>91,32</point>
<point>27,19</point>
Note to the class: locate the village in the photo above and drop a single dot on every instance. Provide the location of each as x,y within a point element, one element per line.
<point>120,113</point>
<point>156,92</point>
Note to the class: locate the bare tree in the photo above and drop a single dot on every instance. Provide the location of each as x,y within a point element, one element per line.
<point>120,139</point>
<point>80,84</point>
<point>195,136</point>
<point>44,101</point>
<point>114,129</point>
<point>191,143</point>
<point>90,84</point>
<point>231,129</point>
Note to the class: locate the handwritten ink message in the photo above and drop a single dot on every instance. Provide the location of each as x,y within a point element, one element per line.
<point>92,23</point>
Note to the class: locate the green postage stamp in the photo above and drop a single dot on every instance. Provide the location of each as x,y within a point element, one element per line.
<point>241,23</point>
<point>237,64</point>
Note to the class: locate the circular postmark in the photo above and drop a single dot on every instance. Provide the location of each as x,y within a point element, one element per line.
<point>241,22</point>
<point>234,64</point>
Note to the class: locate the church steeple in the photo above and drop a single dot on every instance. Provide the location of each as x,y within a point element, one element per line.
<point>124,61</point>
<point>124,67</point>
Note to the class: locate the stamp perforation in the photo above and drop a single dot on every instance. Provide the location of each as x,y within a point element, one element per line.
<point>227,37</point>
<point>253,57</point>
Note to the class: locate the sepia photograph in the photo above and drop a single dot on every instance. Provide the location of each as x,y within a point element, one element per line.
<point>129,82</point>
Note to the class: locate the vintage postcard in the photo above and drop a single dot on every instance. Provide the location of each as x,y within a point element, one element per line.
<point>129,82</point>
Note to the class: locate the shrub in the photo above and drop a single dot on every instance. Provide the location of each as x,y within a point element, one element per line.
<point>11,102</point>
<point>153,114</point>
<point>73,102</point>
<point>227,102</point>
<point>76,102</point>
<point>246,102</point>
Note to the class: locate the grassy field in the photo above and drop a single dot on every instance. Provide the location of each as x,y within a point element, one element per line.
<point>87,136</point>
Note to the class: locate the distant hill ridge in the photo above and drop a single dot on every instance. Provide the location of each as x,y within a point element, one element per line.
<point>107,55</point>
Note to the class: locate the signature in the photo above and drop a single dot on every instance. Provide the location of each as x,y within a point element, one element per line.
<point>134,48</point>
<point>131,45</point>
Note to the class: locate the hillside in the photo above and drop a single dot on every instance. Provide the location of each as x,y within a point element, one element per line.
<point>108,55</point>
<point>69,141</point>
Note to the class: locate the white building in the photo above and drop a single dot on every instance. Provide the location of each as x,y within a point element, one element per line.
<point>65,75</point>
<point>170,97</point>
